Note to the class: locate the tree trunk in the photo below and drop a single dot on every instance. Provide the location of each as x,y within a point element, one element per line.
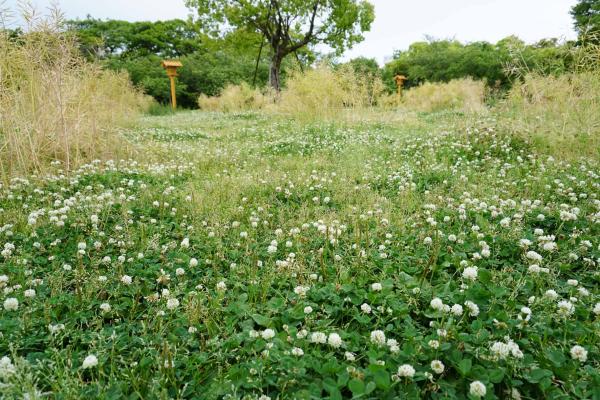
<point>274,72</point>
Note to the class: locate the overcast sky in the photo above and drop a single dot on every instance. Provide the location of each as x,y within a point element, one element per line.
<point>398,23</point>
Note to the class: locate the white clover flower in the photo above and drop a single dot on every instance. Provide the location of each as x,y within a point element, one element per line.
<point>525,242</point>
<point>470,273</point>
<point>457,310</point>
<point>473,308</point>
<point>193,263</point>
<point>596,309</point>
<point>29,293</point>
<point>349,356</point>
<point>126,279</point>
<point>406,371</point>
<point>437,304</point>
<point>427,240</point>
<point>308,310</point>
<point>56,328</point>
<point>105,307</point>
<point>376,287</point>
<point>565,308</point>
<point>365,308</point>
<point>551,294</point>
<point>297,351</point>
<point>185,243</point>
<point>477,389</point>
<point>579,353</point>
<point>11,304</point>
<point>301,290</point>
<point>179,272</point>
<point>172,303</point>
<point>318,337</point>
<point>437,366</point>
<point>534,269</point>
<point>393,345</point>
<point>221,286</point>
<point>502,350</point>
<point>572,282</point>
<point>90,362</point>
<point>378,337</point>
<point>302,334</point>
<point>334,340</point>
<point>268,334</point>
<point>6,367</point>
<point>434,344</point>
<point>533,256</point>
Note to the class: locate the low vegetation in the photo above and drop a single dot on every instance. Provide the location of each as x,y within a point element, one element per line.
<point>265,258</point>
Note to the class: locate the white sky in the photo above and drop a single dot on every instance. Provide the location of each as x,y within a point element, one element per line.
<point>398,23</point>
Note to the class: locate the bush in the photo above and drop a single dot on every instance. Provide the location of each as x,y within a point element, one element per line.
<point>458,95</point>
<point>234,98</point>
<point>56,106</point>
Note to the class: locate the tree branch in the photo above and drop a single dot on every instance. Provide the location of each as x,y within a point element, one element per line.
<point>310,33</point>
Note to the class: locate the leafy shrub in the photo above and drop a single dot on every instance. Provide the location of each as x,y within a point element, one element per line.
<point>460,94</point>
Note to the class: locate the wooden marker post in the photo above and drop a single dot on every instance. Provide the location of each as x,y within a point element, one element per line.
<point>171,68</point>
<point>399,83</point>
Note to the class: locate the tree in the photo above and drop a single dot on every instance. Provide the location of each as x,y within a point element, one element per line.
<point>587,17</point>
<point>289,25</point>
<point>169,39</point>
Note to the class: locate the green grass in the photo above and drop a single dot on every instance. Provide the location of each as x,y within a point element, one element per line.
<point>405,201</point>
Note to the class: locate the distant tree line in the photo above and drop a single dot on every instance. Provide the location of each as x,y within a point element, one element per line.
<point>444,60</point>
<point>210,62</point>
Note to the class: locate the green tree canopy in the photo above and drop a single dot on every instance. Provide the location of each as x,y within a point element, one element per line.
<point>168,39</point>
<point>587,17</point>
<point>289,25</point>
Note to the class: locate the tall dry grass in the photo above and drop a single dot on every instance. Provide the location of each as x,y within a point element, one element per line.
<point>319,93</point>
<point>235,98</point>
<point>560,113</point>
<point>53,104</point>
<point>324,92</point>
<point>457,95</point>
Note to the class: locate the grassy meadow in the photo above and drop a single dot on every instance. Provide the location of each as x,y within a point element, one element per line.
<point>252,255</point>
<point>327,241</point>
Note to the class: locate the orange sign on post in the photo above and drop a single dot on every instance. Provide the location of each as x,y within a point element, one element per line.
<point>400,82</point>
<point>171,68</point>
